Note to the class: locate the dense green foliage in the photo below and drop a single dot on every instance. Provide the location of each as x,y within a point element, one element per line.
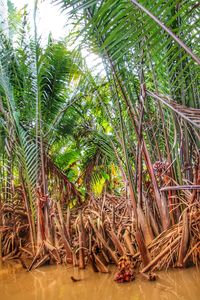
<point>96,127</point>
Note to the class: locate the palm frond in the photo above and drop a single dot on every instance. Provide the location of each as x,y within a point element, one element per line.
<point>191,115</point>
<point>118,30</point>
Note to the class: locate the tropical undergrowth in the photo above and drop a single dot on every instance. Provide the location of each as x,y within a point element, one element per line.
<point>98,166</point>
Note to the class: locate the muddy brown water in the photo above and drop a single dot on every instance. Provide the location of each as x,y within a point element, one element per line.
<point>54,283</point>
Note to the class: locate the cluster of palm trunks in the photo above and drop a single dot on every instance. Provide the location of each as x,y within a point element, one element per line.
<point>101,232</point>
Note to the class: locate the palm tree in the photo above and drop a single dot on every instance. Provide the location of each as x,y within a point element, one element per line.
<point>36,87</point>
<point>150,55</point>
<point>59,121</point>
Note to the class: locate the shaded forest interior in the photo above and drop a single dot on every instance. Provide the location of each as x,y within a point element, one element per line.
<point>101,166</point>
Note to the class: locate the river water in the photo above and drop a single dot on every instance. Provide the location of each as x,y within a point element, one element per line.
<point>54,283</point>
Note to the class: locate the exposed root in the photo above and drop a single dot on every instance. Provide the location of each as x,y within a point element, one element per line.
<point>92,236</point>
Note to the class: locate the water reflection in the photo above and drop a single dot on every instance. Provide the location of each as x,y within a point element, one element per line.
<point>54,283</point>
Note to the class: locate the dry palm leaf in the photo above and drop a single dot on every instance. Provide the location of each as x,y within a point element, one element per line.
<point>191,115</point>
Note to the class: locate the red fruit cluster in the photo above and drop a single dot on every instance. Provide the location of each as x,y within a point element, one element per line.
<point>125,271</point>
<point>124,276</point>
